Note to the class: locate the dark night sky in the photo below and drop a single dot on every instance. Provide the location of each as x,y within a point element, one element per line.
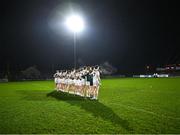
<point>129,34</point>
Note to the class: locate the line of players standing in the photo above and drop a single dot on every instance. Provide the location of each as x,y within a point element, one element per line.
<point>83,81</point>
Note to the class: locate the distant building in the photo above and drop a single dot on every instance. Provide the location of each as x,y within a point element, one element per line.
<point>172,69</point>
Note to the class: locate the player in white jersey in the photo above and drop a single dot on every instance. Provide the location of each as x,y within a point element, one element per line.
<point>58,83</point>
<point>70,83</point>
<point>84,81</point>
<point>82,86</point>
<point>62,83</point>
<point>95,85</point>
<point>56,75</point>
<point>65,84</point>
<point>77,86</point>
<point>96,82</point>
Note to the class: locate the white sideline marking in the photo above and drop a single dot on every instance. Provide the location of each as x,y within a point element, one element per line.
<point>145,111</point>
<point>125,106</point>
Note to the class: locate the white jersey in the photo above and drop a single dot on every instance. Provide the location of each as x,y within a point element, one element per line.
<point>71,81</point>
<point>75,82</point>
<point>83,82</point>
<point>95,81</point>
<point>96,78</point>
<point>56,80</point>
<point>66,81</point>
<point>87,83</point>
<point>59,74</point>
<point>63,80</point>
<point>79,82</point>
<point>60,80</point>
<point>97,74</point>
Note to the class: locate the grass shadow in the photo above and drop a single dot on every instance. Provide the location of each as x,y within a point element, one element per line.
<point>96,108</point>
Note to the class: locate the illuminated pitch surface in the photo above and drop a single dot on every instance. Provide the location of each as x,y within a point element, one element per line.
<point>125,106</point>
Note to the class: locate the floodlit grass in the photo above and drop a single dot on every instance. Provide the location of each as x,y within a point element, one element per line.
<point>125,106</point>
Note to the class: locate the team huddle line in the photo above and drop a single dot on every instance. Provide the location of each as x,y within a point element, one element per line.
<point>83,81</point>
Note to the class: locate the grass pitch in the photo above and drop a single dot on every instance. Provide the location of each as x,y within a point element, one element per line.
<point>125,106</point>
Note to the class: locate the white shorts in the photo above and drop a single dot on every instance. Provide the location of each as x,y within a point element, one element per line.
<point>62,81</point>
<point>82,83</point>
<point>70,82</point>
<point>66,81</point>
<point>58,80</point>
<point>88,83</point>
<point>79,83</point>
<point>95,83</point>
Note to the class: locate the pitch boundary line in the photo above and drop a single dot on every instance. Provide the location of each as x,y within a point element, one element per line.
<point>128,107</point>
<point>146,111</point>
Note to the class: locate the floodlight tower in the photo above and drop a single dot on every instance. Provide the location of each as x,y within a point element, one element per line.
<point>75,23</point>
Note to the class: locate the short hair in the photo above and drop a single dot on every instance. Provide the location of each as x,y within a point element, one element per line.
<point>96,67</point>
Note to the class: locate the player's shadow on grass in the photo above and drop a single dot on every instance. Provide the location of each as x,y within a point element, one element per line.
<point>96,108</point>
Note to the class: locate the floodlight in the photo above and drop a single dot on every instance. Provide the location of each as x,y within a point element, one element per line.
<point>75,23</point>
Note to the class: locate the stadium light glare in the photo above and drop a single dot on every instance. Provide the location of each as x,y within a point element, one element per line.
<point>75,23</point>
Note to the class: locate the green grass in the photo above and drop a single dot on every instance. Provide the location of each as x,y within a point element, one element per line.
<point>125,106</point>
